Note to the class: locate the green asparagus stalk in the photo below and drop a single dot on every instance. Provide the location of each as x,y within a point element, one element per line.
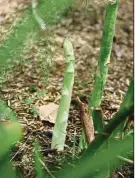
<point>104,59</point>
<point>93,154</point>
<point>126,109</point>
<point>59,133</point>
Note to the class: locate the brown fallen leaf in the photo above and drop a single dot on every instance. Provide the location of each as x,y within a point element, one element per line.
<point>87,121</point>
<point>48,112</point>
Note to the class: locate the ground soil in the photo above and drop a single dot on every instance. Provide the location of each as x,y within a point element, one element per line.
<point>84,27</point>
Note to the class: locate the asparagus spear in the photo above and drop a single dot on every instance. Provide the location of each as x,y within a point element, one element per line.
<point>59,133</point>
<point>104,59</point>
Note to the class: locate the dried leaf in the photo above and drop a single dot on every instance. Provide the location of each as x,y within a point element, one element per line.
<point>87,121</point>
<point>48,112</point>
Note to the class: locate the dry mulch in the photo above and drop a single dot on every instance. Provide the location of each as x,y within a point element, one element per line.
<point>33,75</point>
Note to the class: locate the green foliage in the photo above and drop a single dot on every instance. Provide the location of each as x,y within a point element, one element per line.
<point>33,111</point>
<point>6,169</point>
<point>30,100</point>
<point>98,157</point>
<point>95,166</point>
<point>10,133</point>
<point>13,46</point>
<point>50,11</point>
<point>6,112</point>
<point>119,117</point>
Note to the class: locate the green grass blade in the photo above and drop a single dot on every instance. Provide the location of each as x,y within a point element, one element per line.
<point>59,134</point>
<point>128,100</point>
<point>38,166</point>
<point>83,143</point>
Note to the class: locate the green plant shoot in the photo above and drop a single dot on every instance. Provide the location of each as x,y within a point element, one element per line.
<point>104,59</point>
<point>59,134</point>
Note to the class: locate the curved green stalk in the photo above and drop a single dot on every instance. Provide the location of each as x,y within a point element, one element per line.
<point>59,134</point>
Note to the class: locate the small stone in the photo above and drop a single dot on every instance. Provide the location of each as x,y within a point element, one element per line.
<point>61,32</point>
<point>59,40</point>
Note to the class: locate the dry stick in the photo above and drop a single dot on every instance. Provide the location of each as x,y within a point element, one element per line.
<point>87,121</point>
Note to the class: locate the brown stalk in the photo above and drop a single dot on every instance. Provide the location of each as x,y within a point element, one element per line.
<point>87,122</point>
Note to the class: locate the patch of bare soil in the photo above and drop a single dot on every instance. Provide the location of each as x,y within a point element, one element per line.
<point>84,27</point>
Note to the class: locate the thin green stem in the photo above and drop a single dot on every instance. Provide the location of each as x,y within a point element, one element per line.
<point>125,159</point>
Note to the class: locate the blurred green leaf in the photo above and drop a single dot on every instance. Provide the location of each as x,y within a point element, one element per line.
<point>37,157</point>
<point>29,100</point>
<point>6,168</point>
<point>90,167</point>
<point>10,133</point>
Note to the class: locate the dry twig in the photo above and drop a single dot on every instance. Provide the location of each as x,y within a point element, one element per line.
<point>86,120</point>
